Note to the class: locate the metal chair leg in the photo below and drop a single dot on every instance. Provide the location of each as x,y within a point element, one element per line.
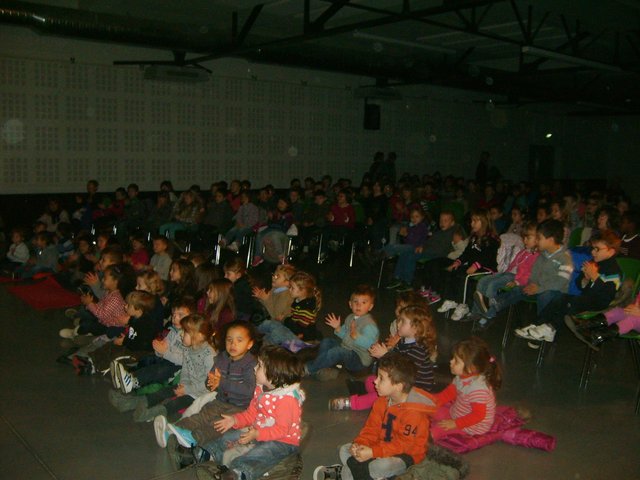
<point>382,262</point>
<point>507,326</point>
<point>541,350</point>
<point>319,258</point>
<point>353,253</point>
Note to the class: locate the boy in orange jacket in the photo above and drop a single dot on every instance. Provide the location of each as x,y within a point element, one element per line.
<point>395,435</point>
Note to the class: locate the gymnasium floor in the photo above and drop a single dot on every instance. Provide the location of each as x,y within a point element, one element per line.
<point>57,425</point>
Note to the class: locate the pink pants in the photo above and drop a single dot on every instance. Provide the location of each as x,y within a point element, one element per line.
<point>625,322</point>
<point>443,413</point>
<point>365,401</point>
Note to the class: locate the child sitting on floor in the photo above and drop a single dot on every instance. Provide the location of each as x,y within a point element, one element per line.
<point>300,326</point>
<point>197,361</point>
<point>278,300</point>
<point>356,335</point>
<point>257,439</point>
<point>233,378</point>
<point>18,253</point>
<point>157,368</point>
<point>417,341</point>
<point>468,404</point>
<point>395,435</point>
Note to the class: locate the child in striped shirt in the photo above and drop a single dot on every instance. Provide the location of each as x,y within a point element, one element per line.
<point>468,405</point>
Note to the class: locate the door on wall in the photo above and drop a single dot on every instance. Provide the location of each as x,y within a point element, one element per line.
<point>541,163</point>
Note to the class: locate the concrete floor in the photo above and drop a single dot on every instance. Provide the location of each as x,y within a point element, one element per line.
<point>55,424</point>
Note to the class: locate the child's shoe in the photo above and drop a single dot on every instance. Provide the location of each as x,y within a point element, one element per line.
<point>330,472</point>
<point>82,366</point>
<point>143,413</point>
<point>340,403</point>
<point>460,312</point>
<point>128,381</point>
<point>161,431</point>
<point>69,333</point>
<point>327,374</point>
<point>212,471</point>
<point>71,313</point>
<point>537,332</point>
<point>447,305</point>
<point>122,402</point>
<point>184,436</point>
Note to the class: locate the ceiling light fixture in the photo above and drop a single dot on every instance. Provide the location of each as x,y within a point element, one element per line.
<point>550,54</point>
<point>404,43</point>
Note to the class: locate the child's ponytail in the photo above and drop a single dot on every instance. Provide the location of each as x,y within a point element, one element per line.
<point>477,358</point>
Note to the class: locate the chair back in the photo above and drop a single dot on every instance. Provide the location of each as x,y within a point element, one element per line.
<point>574,237</point>
<point>631,269</point>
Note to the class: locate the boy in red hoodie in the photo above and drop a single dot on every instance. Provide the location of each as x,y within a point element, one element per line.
<point>395,435</point>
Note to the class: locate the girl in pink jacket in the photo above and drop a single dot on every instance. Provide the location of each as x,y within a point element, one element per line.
<point>269,430</point>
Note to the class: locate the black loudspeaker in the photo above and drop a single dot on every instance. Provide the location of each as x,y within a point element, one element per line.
<point>371,116</point>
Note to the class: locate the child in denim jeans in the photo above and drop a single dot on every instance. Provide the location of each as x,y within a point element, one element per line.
<point>257,439</point>
<point>358,333</point>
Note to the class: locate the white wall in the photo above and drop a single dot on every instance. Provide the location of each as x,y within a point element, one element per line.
<point>67,114</point>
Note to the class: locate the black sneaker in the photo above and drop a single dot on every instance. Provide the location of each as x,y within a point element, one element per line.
<point>328,472</point>
<point>484,323</point>
<point>180,456</point>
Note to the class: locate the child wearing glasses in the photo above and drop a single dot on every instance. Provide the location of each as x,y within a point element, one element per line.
<point>599,280</point>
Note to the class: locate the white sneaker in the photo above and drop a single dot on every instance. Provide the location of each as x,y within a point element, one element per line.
<point>460,312</point>
<point>127,380</point>
<point>69,332</point>
<point>160,428</point>
<point>537,332</point>
<point>447,305</point>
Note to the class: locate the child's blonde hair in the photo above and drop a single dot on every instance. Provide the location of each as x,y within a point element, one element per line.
<point>474,353</point>
<point>196,323</point>
<point>287,270</point>
<point>307,283</point>
<point>421,319</point>
<point>153,281</point>
<point>141,300</point>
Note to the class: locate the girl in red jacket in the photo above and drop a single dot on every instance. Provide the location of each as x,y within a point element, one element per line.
<point>269,430</point>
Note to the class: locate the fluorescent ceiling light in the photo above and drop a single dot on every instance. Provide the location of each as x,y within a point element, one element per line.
<point>550,54</point>
<point>404,43</point>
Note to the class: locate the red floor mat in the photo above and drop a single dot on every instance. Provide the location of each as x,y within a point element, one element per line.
<point>45,295</point>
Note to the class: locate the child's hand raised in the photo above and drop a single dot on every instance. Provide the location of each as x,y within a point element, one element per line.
<point>179,390</point>
<point>86,299</point>
<point>91,279</point>
<point>248,437</point>
<point>260,293</point>
<point>392,341</point>
<point>378,350</point>
<point>213,380</point>
<point>160,346</point>
<point>333,321</point>
<point>224,424</point>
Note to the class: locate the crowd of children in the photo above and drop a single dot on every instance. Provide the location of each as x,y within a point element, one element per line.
<point>176,334</point>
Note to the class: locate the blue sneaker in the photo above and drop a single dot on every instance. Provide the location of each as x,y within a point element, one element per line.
<point>184,436</point>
